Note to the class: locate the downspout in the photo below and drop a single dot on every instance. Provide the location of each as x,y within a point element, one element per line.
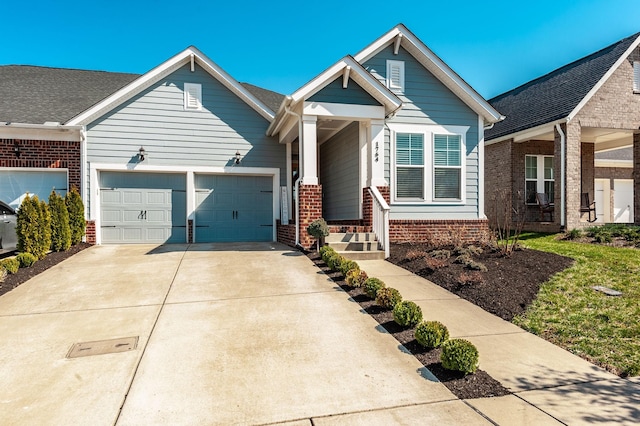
<point>562,183</point>
<point>288,101</point>
<point>83,171</point>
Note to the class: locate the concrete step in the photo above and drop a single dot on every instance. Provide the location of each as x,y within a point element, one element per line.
<point>355,246</point>
<point>362,255</point>
<point>347,237</point>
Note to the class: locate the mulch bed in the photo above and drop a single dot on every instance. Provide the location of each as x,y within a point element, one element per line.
<point>476,385</point>
<point>508,286</point>
<point>24,274</point>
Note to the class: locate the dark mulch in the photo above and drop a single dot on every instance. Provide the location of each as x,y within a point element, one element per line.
<point>476,385</point>
<point>508,286</point>
<point>24,274</point>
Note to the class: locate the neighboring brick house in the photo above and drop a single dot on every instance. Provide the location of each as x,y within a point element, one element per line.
<point>389,140</point>
<point>556,127</point>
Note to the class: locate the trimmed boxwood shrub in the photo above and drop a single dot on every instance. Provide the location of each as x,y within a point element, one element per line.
<point>347,266</point>
<point>60,230</point>
<point>407,313</point>
<point>388,297</point>
<point>431,334</point>
<point>459,355</point>
<point>326,252</point>
<point>372,285</point>
<point>26,260</point>
<point>335,261</point>
<point>356,278</point>
<point>10,265</point>
<point>75,207</point>
<point>318,229</point>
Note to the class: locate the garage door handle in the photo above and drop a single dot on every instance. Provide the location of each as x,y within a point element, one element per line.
<point>143,214</point>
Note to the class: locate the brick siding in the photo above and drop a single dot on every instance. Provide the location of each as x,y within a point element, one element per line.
<point>286,234</point>
<point>310,197</point>
<point>439,232</point>
<point>90,233</point>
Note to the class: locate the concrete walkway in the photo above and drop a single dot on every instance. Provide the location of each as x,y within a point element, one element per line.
<point>227,334</point>
<point>550,385</point>
<point>256,334</point>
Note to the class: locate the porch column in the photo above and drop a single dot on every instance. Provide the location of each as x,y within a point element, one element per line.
<point>588,170</point>
<point>376,155</point>
<point>309,151</point>
<point>636,178</point>
<point>573,175</point>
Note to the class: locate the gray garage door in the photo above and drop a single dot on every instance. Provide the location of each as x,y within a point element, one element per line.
<point>233,208</point>
<point>16,183</point>
<point>143,207</point>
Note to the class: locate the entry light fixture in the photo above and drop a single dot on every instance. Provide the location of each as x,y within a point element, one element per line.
<point>16,150</point>
<point>238,158</point>
<point>141,154</point>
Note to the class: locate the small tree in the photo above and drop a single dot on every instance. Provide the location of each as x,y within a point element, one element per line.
<point>27,227</point>
<point>75,207</point>
<point>509,219</point>
<point>44,234</point>
<point>318,229</point>
<point>60,230</point>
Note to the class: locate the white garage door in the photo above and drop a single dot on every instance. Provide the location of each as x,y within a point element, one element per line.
<point>623,201</point>
<point>142,207</point>
<point>16,183</point>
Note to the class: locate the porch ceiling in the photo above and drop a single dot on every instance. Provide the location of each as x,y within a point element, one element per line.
<point>327,128</point>
<point>604,139</point>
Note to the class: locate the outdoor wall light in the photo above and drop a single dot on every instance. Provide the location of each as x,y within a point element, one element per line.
<point>141,154</point>
<point>16,150</point>
<point>238,158</point>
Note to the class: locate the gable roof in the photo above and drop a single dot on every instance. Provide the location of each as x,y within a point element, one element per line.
<point>189,55</point>
<point>401,36</point>
<point>35,95</point>
<point>268,97</point>
<point>559,94</point>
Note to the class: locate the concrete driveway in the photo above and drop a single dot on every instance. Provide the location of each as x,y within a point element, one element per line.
<point>227,334</point>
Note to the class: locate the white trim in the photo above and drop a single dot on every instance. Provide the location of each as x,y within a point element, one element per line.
<point>163,70</point>
<point>192,93</point>
<point>344,111</point>
<point>604,79</point>
<point>96,168</point>
<point>540,180</point>
<point>625,164</point>
<point>428,130</point>
<point>436,66</point>
<point>480,147</point>
<point>528,134</point>
<point>399,87</point>
<point>40,132</point>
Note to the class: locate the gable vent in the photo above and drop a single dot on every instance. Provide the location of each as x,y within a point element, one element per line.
<point>193,96</point>
<point>395,75</point>
<point>636,76</point>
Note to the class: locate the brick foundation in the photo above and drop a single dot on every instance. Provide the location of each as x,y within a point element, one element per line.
<point>367,203</point>
<point>439,232</point>
<point>310,197</point>
<point>90,233</point>
<point>190,231</point>
<point>286,234</point>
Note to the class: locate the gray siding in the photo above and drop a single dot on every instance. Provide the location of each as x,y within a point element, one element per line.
<point>353,94</point>
<point>171,136</point>
<point>339,171</point>
<point>427,101</point>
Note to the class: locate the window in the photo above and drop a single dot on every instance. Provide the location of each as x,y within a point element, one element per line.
<point>428,164</point>
<point>395,75</point>
<point>447,166</point>
<point>192,96</point>
<point>636,76</point>
<point>410,165</point>
<point>538,177</point>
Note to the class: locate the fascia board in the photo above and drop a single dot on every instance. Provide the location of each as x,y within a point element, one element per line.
<point>527,134</point>
<point>604,79</point>
<point>26,131</point>
<point>162,70</point>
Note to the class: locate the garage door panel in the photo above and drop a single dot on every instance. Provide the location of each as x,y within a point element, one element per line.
<point>132,197</point>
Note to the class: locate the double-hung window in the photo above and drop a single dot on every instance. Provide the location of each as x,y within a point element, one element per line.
<point>428,164</point>
<point>538,177</point>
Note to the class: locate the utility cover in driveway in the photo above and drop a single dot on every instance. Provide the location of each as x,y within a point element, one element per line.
<point>102,347</point>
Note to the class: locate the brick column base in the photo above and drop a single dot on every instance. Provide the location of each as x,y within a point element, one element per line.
<point>90,232</point>
<point>310,197</point>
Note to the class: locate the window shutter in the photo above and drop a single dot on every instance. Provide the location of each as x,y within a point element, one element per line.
<point>636,76</point>
<point>395,75</point>
<point>192,96</point>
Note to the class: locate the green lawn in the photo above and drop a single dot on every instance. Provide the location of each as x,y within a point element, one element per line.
<point>569,313</point>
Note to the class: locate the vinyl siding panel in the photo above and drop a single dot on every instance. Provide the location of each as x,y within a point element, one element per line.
<point>426,101</point>
<point>353,94</point>
<point>339,168</point>
<point>172,136</point>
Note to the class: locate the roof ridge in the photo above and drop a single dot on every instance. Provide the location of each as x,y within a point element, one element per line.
<point>67,69</point>
<point>564,68</point>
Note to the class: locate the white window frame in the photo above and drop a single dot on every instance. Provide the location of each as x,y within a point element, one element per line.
<point>428,132</point>
<point>390,84</point>
<point>189,90</point>
<point>540,179</point>
<point>636,76</point>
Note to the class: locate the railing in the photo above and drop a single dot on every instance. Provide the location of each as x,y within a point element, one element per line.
<point>380,219</point>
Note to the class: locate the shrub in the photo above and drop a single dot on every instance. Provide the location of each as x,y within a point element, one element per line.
<point>415,254</point>
<point>27,226</point>
<point>407,313</point>
<point>356,278</point>
<point>388,297</point>
<point>75,208</point>
<point>434,263</point>
<point>44,236</point>
<point>476,266</point>
<point>459,355</point>
<point>574,234</point>
<point>60,230</point>
<point>318,229</point>
<point>334,262</point>
<point>347,266</point>
<point>10,265</point>
<point>431,334</point>
<point>463,259</point>
<point>440,254</point>
<point>372,285</point>
<point>469,278</point>
<point>26,260</point>
<point>326,252</point>
<point>3,274</point>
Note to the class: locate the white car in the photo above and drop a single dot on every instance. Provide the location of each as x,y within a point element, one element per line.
<point>8,236</point>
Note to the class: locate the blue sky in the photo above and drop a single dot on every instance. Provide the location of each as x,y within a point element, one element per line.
<point>495,46</point>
